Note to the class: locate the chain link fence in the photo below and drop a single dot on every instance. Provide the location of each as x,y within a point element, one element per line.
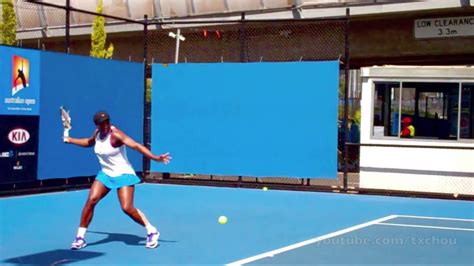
<point>44,26</point>
<point>250,41</point>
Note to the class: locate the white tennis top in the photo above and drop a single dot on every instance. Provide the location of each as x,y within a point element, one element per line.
<point>114,161</point>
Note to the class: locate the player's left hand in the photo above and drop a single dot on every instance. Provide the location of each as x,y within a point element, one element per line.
<point>165,158</point>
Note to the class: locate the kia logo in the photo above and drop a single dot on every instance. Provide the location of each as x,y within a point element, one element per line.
<point>19,136</point>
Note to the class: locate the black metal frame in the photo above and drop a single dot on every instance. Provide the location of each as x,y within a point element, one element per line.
<point>346,97</point>
<point>146,105</point>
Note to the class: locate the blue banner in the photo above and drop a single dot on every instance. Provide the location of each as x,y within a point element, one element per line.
<point>84,86</point>
<point>253,119</point>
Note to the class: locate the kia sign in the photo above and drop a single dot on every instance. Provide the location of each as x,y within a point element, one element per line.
<point>19,136</point>
<point>18,148</point>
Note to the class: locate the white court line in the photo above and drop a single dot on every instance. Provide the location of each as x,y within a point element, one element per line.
<point>435,218</point>
<point>431,227</point>
<point>309,241</point>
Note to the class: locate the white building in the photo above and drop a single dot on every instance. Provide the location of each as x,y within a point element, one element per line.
<point>440,103</point>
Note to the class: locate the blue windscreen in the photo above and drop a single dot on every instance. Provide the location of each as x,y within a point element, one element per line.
<point>253,119</point>
<point>86,85</point>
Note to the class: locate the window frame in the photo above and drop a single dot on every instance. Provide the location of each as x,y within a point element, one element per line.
<point>471,83</point>
<point>374,82</point>
<point>401,81</point>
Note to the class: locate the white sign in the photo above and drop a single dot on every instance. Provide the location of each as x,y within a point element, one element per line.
<point>444,27</point>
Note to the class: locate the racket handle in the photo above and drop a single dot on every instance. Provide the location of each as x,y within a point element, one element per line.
<point>66,133</point>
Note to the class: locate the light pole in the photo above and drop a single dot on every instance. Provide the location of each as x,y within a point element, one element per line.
<point>178,38</point>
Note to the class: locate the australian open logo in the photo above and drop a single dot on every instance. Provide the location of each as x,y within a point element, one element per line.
<point>24,95</point>
<point>21,74</point>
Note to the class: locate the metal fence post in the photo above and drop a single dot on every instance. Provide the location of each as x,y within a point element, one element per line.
<point>68,25</point>
<point>346,97</point>
<point>146,104</point>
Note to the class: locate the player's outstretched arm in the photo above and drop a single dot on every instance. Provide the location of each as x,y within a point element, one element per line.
<point>85,142</point>
<point>165,157</point>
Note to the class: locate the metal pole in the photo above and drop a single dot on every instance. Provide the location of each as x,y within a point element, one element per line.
<point>346,97</point>
<point>242,37</point>
<point>178,35</point>
<point>146,105</point>
<point>68,24</point>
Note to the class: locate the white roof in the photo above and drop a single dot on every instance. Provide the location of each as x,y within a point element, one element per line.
<point>35,20</point>
<point>417,72</point>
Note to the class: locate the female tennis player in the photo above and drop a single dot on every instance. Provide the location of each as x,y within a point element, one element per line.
<point>117,173</point>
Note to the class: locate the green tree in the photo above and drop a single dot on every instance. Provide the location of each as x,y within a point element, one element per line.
<point>8,25</point>
<point>99,36</point>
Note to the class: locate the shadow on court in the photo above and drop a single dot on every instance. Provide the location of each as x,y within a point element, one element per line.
<point>54,257</point>
<point>131,240</point>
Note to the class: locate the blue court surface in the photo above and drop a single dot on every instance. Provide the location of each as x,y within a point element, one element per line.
<point>264,227</point>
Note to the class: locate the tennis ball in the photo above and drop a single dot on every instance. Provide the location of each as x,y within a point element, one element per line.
<point>455,195</point>
<point>222,220</point>
<point>265,188</point>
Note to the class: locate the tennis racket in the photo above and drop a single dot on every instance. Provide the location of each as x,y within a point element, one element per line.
<point>66,119</point>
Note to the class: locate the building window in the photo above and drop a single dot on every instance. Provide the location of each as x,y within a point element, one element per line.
<point>467,111</point>
<point>432,109</point>
<point>423,110</point>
